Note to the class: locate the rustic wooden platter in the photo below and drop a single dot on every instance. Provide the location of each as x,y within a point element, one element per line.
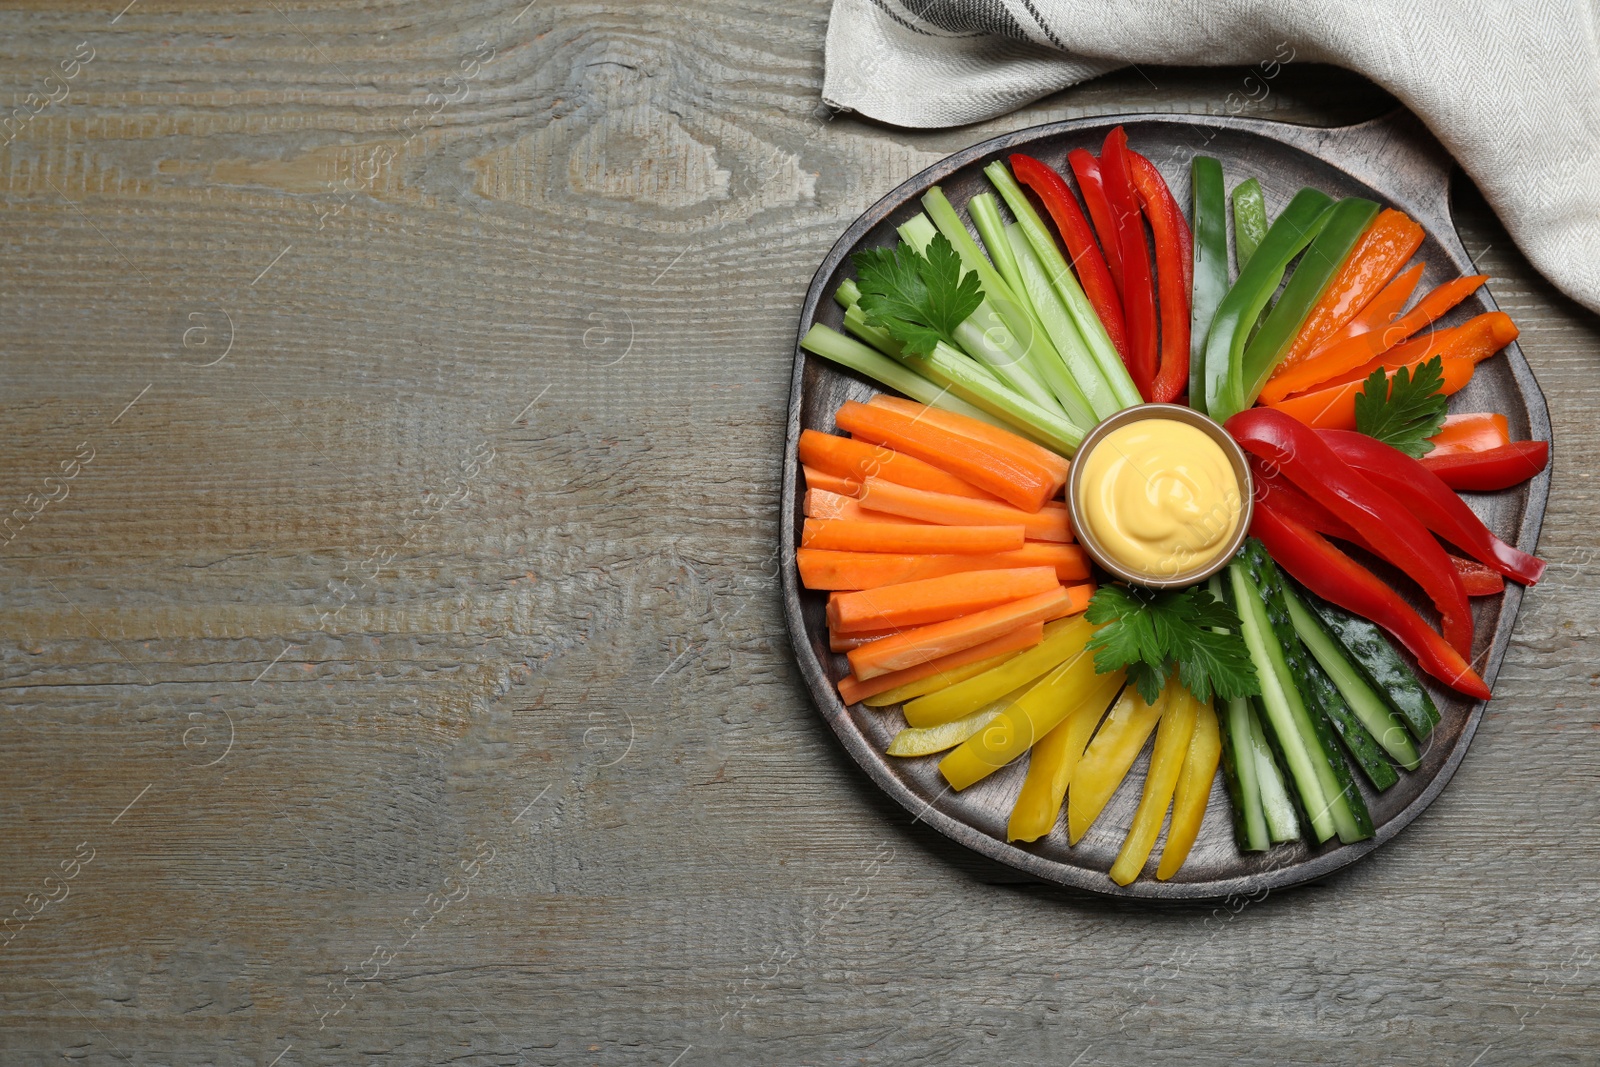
<point>1392,160</point>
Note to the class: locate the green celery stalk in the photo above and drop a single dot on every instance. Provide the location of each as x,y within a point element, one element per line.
<point>991,227</point>
<point>1210,267</point>
<point>1295,228</point>
<point>1074,378</point>
<point>1107,361</point>
<point>1347,220</point>
<point>848,294</point>
<point>1249,220</point>
<point>847,352</point>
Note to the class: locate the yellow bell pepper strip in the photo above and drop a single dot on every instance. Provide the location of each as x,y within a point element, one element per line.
<point>1166,764</point>
<point>1052,761</point>
<point>931,739</point>
<point>1194,790</point>
<point>1062,639</point>
<point>1023,722</point>
<point>935,682</point>
<point>1108,758</point>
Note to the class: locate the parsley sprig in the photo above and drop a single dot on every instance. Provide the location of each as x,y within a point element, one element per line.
<point>1150,631</point>
<point>920,299</point>
<point>1405,411</point>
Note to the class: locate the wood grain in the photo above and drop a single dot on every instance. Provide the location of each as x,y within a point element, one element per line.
<point>588,266</point>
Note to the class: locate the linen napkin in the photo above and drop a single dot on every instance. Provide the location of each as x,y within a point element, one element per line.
<point>1510,87</point>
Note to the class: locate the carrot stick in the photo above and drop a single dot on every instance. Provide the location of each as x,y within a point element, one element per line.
<point>942,638</point>
<point>1334,408</point>
<point>1027,485</point>
<point>854,690</point>
<point>845,642</point>
<point>821,504</point>
<point>1368,334</point>
<point>1379,253</point>
<point>980,432</point>
<point>824,569</point>
<point>1470,432</point>
<point>934,599</point>
<point>831,483</point>
<point>855,460</point>
<point>1049,523</point>
<point>902,537</point>
<point>1476,339</point>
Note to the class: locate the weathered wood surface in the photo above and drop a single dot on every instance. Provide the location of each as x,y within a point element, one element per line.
<point>515,375</point>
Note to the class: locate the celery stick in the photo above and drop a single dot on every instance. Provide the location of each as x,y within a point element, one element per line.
<point>848,294</point>
<point>991,227</point>
<point>1066,284</point>
<point>1076,374</point>
<point>949,367</point>
<point>985,336</point>
<point>847,352</point>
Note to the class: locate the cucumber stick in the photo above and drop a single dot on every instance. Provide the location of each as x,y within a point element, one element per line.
<point>1381,723</point>
<point>1239,774</point>
<point>1388,675</point>
<point>1278,809</point>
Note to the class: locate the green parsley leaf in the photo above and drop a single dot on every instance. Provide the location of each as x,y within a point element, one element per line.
<point>1405,411</point>
<point>1149,632</point>
<point>919,299</point>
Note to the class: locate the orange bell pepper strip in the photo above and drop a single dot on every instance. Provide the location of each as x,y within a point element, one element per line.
<point>1470,432</point>
<point>1368,334</point>
<point>1476,339</point>
<point>1334,408</point>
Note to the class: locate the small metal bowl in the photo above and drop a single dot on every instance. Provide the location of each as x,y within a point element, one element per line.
<point>1175,413</point>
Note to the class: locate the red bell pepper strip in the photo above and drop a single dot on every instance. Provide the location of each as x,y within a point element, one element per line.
<point>1434,503</point>
<point>1337,578</point>
<point>1086,168</point>
<point>1498,468</point>
<point>1477,579</point>
<point>1087,262</point>
<point>1383,522</point>
<point>1476,431</point>
<point>1174,264</point>
<point>1138,286</point>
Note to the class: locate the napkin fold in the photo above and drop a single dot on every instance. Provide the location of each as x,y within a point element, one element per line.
<point>1510,87</point>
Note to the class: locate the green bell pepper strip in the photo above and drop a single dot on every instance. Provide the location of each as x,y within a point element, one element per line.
<point>1346,221</point>
<point>1299,224</point>
<point>1249,221</point>
<point>1210,267</point>
<point>1107,360</point>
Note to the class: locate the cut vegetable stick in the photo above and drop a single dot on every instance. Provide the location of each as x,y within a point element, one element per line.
<point>828,483</point>
<point>934,599</point>
<point>854,460</point>
<point>928,741</point>
<point>1432,307</point>
<point>1052,761</point>
<point>1107,759</point>
<point>1061,640</point>
<point>822,504</point>
<point>1470,432</point>
<point>1167,758</point>
<point>1049,523</point>
<point>944,679</point>
<point>855,691</point>
<point>845,642</point>
<point>1476,339</point>
<point>1002,474</point>
<point>942,638</point>
<point>1334,408</point>
<point>1370,333</point>
<point>828,570</point>
<point>1194,789</point>
<point>850,536</point>
<point>1378,255</point>
<point>973,430</point>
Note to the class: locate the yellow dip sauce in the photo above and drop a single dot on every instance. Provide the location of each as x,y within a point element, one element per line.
<point>1159,496</point>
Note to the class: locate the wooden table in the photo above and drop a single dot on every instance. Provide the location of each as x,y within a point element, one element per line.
<point>393,662</point>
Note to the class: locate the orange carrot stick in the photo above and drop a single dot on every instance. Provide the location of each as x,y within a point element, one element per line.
<point>904,537</point>
<point>1379,253</point>
<point>934,599</point>
<point>1368,334</point>
<point>824,569</point>
<point>854,690</point>
<point>1334,408</point>
<point>973,430</point>
<point>856,460</point>
<point>1026,484</point>
<point>1476,339</point>
<point>953,635</point>
<point>1470,432</point>
<point>845,642</point>
<point>821,504</point>
<point>1049,523</point>
<point>831,483</point>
